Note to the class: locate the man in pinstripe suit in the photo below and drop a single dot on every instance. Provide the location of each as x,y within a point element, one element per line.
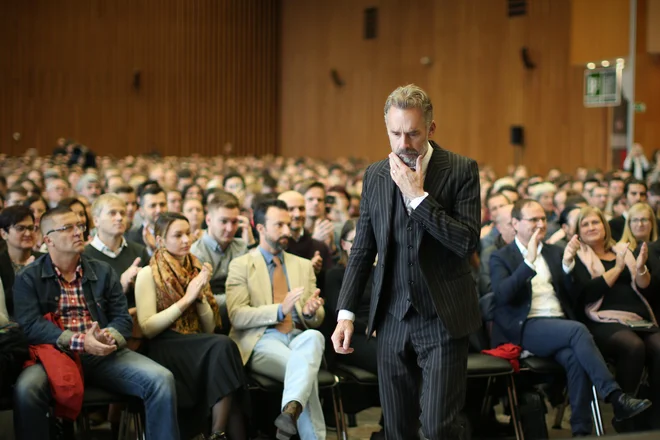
<point>420,214</point>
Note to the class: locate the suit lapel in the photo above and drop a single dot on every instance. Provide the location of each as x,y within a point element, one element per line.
<point>516,256</point>
<point>437,172</point>
<point>258,278</point>
<point>382,212</point>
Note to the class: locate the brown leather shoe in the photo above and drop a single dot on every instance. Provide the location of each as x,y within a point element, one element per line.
<point>286,422</point>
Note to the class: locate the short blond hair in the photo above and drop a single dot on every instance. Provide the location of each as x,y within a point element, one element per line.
<point>104,199</point>
<point>589,210</point>
<point>628,236</point>
<point>410,97</point>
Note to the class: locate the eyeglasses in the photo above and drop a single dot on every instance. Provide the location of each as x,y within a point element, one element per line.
<point>639,221</point>
<point>536,219</point>
<point>69,228</point>
<point>22,228</point>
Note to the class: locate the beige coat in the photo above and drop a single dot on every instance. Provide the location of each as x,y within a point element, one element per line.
<point>250,297</point>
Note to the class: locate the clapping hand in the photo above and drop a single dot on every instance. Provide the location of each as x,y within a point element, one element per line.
<point>317,262</point>
<point>313,303</point>
<point>128,277</point>
<point>571,250</point>
<point>642,257</point>
<point>99,342</point>
<point>533,246</point>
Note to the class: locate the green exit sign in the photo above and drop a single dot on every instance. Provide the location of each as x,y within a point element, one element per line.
<point>602,87</point>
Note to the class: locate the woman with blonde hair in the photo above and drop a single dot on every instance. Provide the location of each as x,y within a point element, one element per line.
<point>178,313</point>
<point>641,227</point>
<point>612,285</point>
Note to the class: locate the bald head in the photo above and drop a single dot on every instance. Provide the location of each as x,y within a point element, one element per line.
<point>295,202</point>
<point>503,223</point>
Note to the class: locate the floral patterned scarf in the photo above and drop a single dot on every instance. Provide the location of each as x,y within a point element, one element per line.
<point>172,278</point>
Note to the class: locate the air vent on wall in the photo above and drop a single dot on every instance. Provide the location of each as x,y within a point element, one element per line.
<point>517,8</point>
<point>370,23</point>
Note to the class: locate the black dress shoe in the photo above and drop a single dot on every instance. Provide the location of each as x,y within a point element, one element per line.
<point>627,406</point>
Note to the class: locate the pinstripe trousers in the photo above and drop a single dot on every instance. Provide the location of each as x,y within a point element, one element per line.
<point>421,367</point>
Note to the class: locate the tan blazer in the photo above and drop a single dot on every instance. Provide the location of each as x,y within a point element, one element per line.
<point>250,297</point>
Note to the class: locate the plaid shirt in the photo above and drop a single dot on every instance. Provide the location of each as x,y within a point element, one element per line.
<point>73,309</point>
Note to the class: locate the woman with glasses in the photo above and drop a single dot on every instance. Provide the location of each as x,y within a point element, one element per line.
<point>177,312</point>
<point>17,228</point>
<point>614,287</point>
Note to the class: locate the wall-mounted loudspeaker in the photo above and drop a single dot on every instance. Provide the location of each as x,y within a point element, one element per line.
<point>517,135</point>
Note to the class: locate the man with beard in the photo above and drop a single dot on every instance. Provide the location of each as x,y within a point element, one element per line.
<point>273,305</point>
<point>301,242</point>
<point>420,213</point>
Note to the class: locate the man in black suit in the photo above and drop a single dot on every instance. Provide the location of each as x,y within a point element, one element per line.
<point>420,213</point>
<point>152,203</point>
<point>533,309</point>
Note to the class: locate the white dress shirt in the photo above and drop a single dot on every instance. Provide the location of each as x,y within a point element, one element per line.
<point>544,298</point>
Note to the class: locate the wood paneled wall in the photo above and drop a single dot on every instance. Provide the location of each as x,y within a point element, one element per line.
<point>599,30</point>
<point>476,80</point>
<point>647,78</point>
<point>208,71</point>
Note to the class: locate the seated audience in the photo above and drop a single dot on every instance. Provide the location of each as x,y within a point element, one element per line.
<point>502,224</point>
<point>152,204</point>
<point>533,309</point>
<point>194,212</point>
<point>317,223</point>
<point>15,196</point>
<point>17,230</point>
<point>38,206</point>
<point>174,201</point>
<point>177,312</point>
<point>567,227</point>
<point>79,208</point>
<point>612,286</point>
<point>301,242</point>
<point>273,305</point>
<point>219,245</point>
<point>635,192</point>
<point>127,194</point>
<point>86,296</point>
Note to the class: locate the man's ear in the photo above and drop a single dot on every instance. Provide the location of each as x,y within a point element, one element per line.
<point>431,129</point>
<point>261,229</point>
<point>4,234</point>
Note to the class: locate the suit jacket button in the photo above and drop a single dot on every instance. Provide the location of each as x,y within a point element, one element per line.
<point>382,266</point>
<point>520,323</point>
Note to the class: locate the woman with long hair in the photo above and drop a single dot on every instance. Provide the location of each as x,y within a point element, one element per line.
<point>178,314</point>
<point>38,206</point>
<point>613,286</point>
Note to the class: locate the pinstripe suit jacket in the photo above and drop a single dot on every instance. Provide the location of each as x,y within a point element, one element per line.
<point>450,216</point>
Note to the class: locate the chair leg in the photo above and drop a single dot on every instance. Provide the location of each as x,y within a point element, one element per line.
<point>559,413</point>
<point>595,411</point>
<point>340,417</point>
<point>513,404</point>
<point>122,422</point>
<point>485,404</point>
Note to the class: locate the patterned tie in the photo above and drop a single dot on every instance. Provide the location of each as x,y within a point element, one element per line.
<point>280,290</point>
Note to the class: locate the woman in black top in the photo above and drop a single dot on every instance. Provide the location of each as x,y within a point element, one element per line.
<point>613,284</point>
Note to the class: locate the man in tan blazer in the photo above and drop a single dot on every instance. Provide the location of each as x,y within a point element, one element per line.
<point>273,303</point>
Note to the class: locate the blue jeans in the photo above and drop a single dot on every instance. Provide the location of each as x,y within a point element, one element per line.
<point>295,359</point>
<point>123,372</point>
<point>571,344</point>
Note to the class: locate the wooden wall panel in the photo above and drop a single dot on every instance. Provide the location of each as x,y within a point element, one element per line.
<point>476,80</point>
<point>653,26</point>
<point>647,82</point>
<point>209,75</point>
<point>599,30</point>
